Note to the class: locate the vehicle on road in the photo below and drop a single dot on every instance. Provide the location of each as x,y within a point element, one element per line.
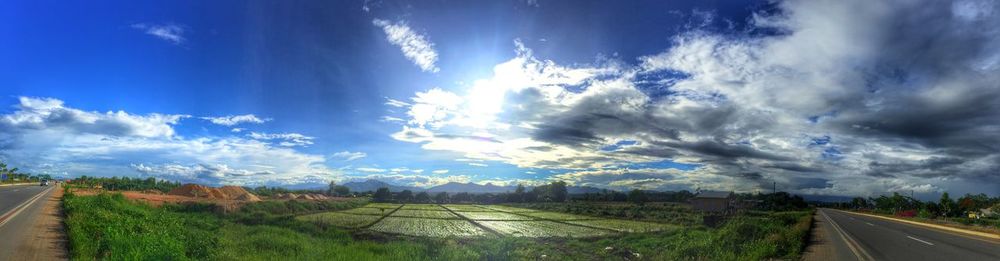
<point>44,183</point>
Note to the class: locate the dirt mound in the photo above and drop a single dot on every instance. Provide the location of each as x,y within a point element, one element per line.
<point>307,196</point>
<point>224,193</point>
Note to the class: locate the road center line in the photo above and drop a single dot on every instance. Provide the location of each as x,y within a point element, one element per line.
<point>921,241</point>
<point>870,224</point>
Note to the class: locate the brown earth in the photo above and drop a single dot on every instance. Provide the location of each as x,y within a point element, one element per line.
<point>223,193</point>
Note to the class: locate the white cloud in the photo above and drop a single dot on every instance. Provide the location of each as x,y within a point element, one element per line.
<point>169,32</point>
<point>440,171</point>
<point>415,46</point>
<point>44,136</point>
<point>830,106</point>
<point>478,164</point>
<point>233,120</point>
<point>286,139</point>
<point>372,170</point>
<point>50,114</point>
<point>349,156</point>
<point>237,130</point>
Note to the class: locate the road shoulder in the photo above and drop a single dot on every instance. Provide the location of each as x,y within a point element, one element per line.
<point>824,244</point>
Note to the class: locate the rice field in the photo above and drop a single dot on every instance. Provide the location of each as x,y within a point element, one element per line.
<point>493,216</point>
<point>423,214</point>
<point>556,216</point>
<point>467,208</point>
<point>432,220</point>
<point>429,227</point>
<point>423,207</point>
<point>368,211</point>
<point>542,229</point>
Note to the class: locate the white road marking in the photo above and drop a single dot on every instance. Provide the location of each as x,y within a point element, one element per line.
<point>855,248</point>
<point>921,241</point>
<point>870,224</point>
<point>14,190</point>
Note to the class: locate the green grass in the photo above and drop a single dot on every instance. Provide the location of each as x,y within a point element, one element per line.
<point>109,227</point>
<point>369,211</point>
<point>628,226</point>
<point>340,219</point>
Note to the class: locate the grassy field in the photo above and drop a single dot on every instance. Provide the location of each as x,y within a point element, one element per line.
<point>110,227</point>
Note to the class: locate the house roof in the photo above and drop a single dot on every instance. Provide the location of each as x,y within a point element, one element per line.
<point>713,194</point>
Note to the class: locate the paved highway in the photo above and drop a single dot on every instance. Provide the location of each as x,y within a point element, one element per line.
<point>871,238</point>
<point>27,227</point>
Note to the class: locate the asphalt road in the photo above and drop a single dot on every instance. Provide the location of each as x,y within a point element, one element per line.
<point>17,229</point>
<point>870,238</point>
<point>12,196</point>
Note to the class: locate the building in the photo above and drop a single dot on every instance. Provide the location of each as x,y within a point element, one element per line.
<point>713,201</point>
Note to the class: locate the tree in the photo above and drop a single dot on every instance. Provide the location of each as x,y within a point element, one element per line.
<point>441,197</point>
<point>518,195</point>
<point>558,191</point>
<point>637,196</point>
<point>859,203</point>
<point>948,206</point>
<point>342,190</point>
<point>405,196</point>
<point>422,197</point>
<point>382,195</point>
<point>331,189</point>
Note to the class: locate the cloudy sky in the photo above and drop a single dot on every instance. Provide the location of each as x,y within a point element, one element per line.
<point>818,97</point>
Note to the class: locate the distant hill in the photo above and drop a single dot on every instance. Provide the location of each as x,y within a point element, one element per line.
<point>373,185</point>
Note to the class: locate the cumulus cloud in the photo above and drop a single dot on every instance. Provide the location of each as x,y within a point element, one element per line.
<point>440,171</point>
<point>349,156</point>
<point>842,96</point>
<point>414,46</point>
<point>47,137</point>
<point>172,33</point>
<point>233,120</point>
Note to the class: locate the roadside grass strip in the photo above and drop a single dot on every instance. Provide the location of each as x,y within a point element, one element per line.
<point>542,229</point>
<point>467,208</point>
<point>368,211</point>
<point>556,216</point>
<point>493,216</point>
<point>628,226</point>
<point>340,219</point>
<point>429,227</point>
<point>423,213</point>
<point>423,207</point>
<point>508,209</point>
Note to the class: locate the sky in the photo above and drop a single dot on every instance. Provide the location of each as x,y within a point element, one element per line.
<point>853,98</point>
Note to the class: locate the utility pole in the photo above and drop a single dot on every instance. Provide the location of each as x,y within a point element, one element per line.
<point>774,187</point>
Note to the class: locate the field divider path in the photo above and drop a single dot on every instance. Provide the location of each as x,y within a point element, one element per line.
<point>472,221</point>
<point>564,222</point>
<point>383,217</point>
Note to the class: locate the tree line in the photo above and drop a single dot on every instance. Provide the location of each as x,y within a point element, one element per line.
<point>126,183</point>
<point>11,174</point>
<point>945,206</point>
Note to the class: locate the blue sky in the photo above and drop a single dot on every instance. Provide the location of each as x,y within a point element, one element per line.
<point>640,94</point>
